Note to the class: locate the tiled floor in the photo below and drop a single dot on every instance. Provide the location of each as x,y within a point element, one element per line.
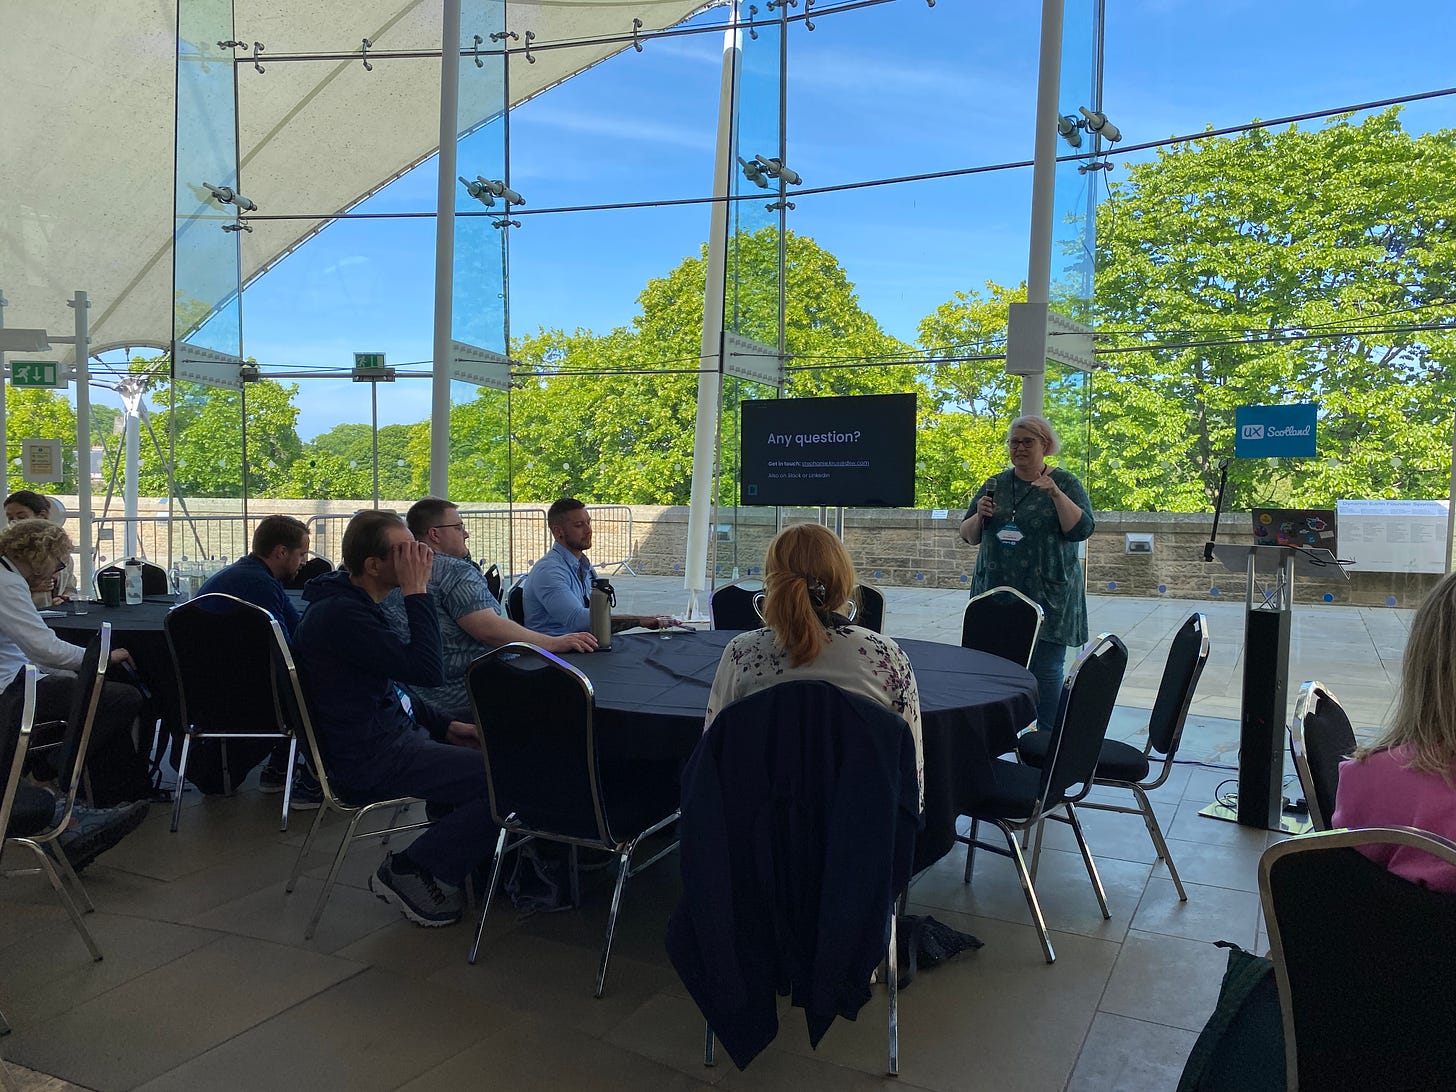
<point>208,984</point>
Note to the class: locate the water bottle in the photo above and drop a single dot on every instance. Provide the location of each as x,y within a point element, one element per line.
<point>132,571</point>
<point>179,585</point>
<point>601,618</point>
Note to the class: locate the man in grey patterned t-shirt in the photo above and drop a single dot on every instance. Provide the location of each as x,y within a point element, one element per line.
<point>471,622</point>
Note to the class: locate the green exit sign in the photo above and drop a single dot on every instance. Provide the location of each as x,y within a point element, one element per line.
<point>37,373</point>
<point>369,360</point>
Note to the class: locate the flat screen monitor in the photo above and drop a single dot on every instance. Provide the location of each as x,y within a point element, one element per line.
<point>849,452</point>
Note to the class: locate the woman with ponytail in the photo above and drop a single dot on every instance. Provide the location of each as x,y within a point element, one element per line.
<point>808,581</point>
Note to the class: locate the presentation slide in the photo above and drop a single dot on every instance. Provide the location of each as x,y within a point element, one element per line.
<point>849,452</point>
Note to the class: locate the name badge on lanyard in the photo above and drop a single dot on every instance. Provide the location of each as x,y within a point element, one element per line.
<point>1009,536</point>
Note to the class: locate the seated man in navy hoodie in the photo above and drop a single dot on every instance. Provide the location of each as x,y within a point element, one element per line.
<point>372,750</point>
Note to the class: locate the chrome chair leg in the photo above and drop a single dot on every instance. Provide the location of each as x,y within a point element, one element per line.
<point>1087,860</point>
<point>971,849</point>
<point>708,1059</point>
<point>1036,849</point>
<point>307,845</point>
<point>181,780</point>
<point>495,871</point>
<point>288,781</point>
<point>622,868</point>
<point>1155,832</point>
<point>892,984</point>
<point>65,896</point>
<point>59,856</point>
<point>318,908</point>
<point>1030,892</point>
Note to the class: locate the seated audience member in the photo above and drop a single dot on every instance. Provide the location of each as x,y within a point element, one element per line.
<point>557,592</point>
<point>33,548</point>
<point>27,504</point>
<point>471,622</point>
<point>280,547</point>
<point>1407,777</point>
<point>372,750</point>
<point>807,579</point>
<point>90,832</point>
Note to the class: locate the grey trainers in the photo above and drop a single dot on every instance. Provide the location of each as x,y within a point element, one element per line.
<point>95,830</point>
<point>307,794</point>
<point>419,896</point>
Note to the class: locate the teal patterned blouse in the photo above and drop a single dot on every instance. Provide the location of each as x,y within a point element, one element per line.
<point>1044,563</point>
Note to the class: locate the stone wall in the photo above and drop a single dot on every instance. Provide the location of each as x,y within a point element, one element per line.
<point>894,547</point>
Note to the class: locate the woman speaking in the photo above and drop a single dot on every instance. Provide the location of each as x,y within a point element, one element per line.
<point>1028,520</point>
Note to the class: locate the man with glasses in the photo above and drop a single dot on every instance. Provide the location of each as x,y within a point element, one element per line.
<point>471,622</point>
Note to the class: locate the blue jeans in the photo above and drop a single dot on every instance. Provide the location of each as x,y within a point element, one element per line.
<point>1049,665</point>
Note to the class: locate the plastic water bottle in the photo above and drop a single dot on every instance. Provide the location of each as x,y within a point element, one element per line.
<point>132,571</point>
<point>179,586</point>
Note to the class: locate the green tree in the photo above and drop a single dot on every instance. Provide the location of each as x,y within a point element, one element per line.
<point>338,464</point>
<point>1302,265</point>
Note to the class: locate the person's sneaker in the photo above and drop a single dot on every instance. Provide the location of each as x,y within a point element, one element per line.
<point>419,896</point>
<point>95,830</point>
<point>272,779</point>
<point>307,794</point>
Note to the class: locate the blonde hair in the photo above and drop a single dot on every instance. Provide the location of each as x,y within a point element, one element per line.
<point>37,542</point>
<point>807,574</point>
<point>1039,427</point>
<point>1425,711</point>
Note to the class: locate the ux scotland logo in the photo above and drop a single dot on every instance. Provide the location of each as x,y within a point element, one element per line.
<point>1251,432</point>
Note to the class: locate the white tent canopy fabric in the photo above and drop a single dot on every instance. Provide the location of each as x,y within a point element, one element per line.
<point>87,109</point>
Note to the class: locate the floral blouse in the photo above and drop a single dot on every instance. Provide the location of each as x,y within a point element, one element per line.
<point>856,660</point>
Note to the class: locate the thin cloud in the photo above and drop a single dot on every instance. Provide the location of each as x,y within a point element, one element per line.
<point>631,131</point>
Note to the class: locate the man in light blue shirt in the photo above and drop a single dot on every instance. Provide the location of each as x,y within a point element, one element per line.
<point>556,596</point>
<point>471,623</point>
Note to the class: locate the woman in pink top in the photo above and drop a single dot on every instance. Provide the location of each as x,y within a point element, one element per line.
<point>1407,778</point>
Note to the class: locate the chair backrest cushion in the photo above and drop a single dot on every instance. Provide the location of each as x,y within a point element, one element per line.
<point>1187,655</point>
<point>731,606</point>
<point>799,813</point>
<point>535,714</point>
<point>516,604</point>
<point>1003,623</point>
<point>314,566</point>
<point>1367,974</point>
<point>871,614</point>
<point>226,658</point>
<point>1088,697</point>
<point>1329,739</point>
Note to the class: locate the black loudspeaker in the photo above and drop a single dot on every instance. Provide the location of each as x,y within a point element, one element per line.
<point>1261,727</point>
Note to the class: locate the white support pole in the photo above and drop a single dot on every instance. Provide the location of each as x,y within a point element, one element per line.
<point>445,249</point>
<point>133,463</point>
<point>710,378</point>
<point>83,442</point>
<point>1027,356</point>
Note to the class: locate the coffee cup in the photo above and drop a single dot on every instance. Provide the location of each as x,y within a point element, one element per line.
<point>113,587</point>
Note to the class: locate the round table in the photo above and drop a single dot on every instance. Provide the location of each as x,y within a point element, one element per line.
<point>139,630</point>
<point>652,695</point>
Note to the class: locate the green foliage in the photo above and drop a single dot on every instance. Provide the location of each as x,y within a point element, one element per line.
<point>208,439</point>
<point>1346,229</point>
<point>338,464</point>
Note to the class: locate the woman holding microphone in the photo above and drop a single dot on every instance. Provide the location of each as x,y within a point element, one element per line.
<point>1027,521</point>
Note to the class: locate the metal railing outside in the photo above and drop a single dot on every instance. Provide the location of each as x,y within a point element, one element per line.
<point>164,539</point>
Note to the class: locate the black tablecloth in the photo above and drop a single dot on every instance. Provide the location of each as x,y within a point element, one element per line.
<point>138,629</point>
<point>652,693</point>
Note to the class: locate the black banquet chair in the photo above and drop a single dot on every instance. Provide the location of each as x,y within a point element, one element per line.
<point>1020,797</point>
<point>731,606</point>
<point>492,576</point>
<point>229,660</point>
<point>516,604</point>
<point>1122,766</point>
<point>544,773</point>
<point>1363,961</point>
<point>1320,738</point>
<point>29,823</point>
<point>871,611</point>
<point>1003,622</point>
<point>803,890</point>
<point>314,566</point>
<point>154,578</point>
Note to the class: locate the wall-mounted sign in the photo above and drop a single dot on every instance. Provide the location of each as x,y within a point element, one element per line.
<point>39,373</point>
<point>1267,432</point>
<point>40,461</point>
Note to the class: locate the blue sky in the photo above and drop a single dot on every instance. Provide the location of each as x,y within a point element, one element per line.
<point>902,88</point>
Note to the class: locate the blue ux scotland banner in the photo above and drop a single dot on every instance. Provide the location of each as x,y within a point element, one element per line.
<point>1264,432</point>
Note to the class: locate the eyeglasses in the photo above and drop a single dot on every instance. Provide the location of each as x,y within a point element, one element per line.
<point>456,526</point>
<point>1022,441</point>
